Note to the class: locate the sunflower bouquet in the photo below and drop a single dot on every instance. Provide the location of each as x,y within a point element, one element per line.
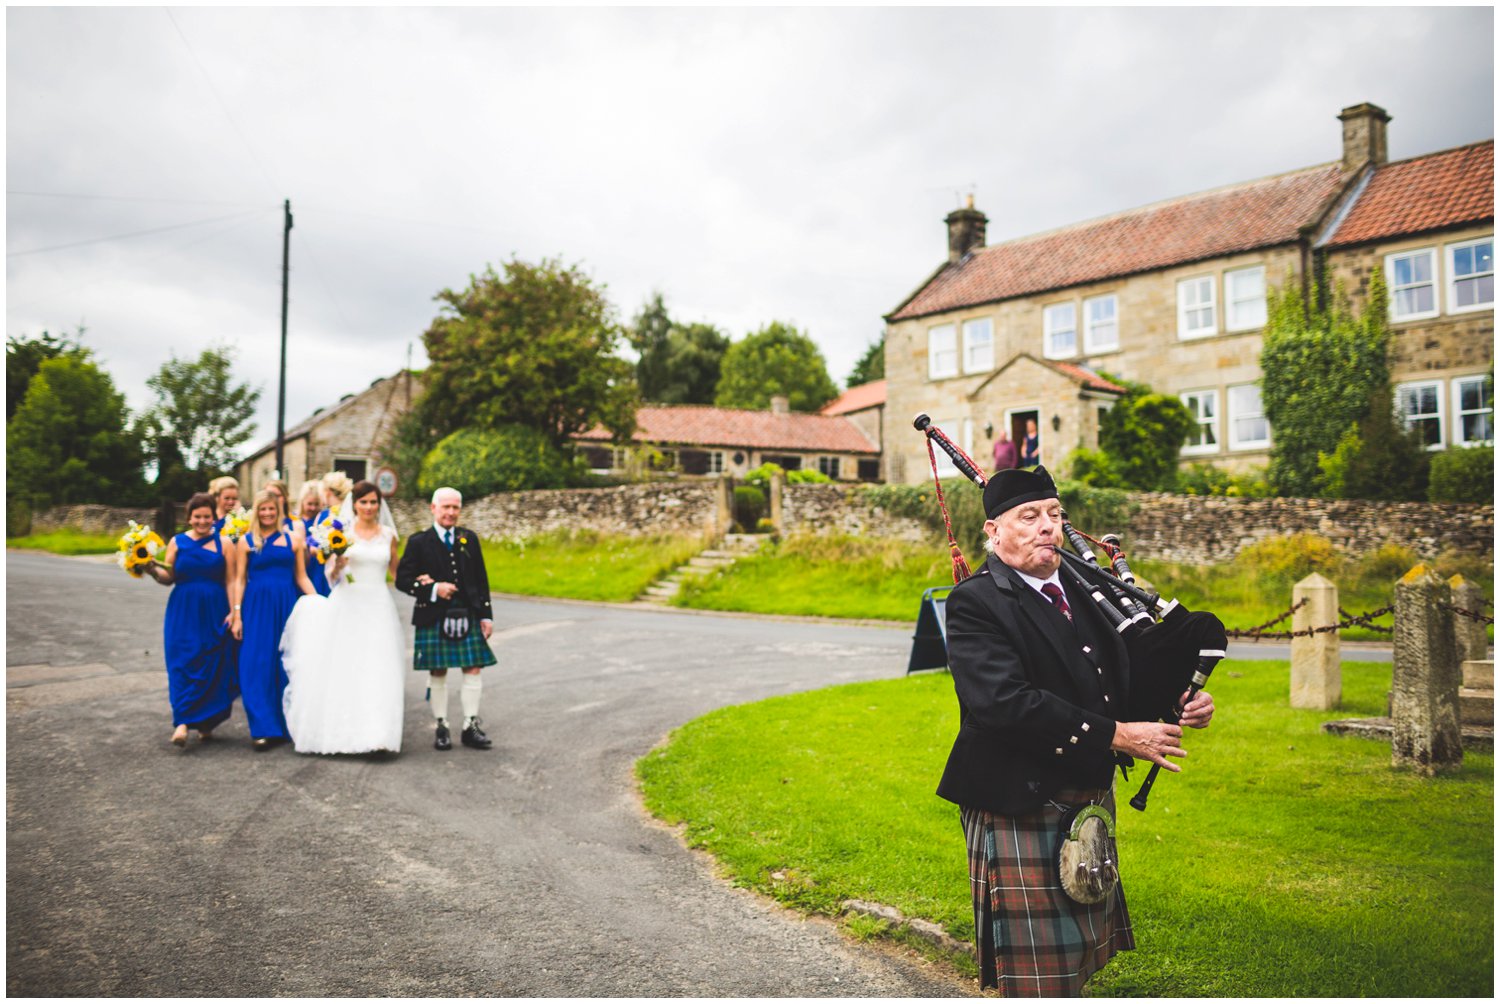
<point>236,524</point>
<point>137,548</point>
<point>328,539</point>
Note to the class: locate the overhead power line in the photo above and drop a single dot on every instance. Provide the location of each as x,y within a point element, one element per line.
<point>130,198</point>
<point>136,233</point>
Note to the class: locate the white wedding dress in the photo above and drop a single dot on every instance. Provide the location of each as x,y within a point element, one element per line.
<point>345,657</point>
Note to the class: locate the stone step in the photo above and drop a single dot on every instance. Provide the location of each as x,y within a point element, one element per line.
<point>1475,706</point>
<point>705,562</point>
<point>1479,673</point>
<point>1478,738</point>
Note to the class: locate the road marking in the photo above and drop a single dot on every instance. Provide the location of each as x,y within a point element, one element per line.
<point>522,630</point>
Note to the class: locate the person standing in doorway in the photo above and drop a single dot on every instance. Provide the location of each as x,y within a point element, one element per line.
<point>1031,446</point>
<point>1005,452</point>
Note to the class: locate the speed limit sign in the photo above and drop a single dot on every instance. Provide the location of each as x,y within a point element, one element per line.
<point>386,481</point>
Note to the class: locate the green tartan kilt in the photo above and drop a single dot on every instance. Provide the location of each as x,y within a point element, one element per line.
<point>433,651</point>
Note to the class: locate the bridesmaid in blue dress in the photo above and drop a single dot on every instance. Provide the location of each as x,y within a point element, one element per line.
<point>271,577</point>
<point>199,630</point>
<point>226,496</point>
<point>309,504</point>
<point>334,486</point>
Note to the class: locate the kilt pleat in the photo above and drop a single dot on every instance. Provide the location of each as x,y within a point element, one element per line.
<point>1030,938</point>
<point>431,650</point>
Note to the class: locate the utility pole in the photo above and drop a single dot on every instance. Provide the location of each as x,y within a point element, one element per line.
<point>286,244</point>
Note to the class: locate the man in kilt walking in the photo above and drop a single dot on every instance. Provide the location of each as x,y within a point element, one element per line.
<point>443,569</point>
<point>1048,704</point>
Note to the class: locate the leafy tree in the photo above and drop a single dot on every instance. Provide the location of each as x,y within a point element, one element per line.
<point>871,365</point>
<point>534,347</point>
<point>1142,436</point>
<point>69,440</point>
<point>1379,458</point>
<point>201,408</point>
<point>679,364</point>
<point>778,359</point>
<point>484,461</point>
<point>24,356</point>
<point>1321,365</point>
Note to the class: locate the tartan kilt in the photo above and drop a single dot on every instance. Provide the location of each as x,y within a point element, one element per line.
<point>432,651</point>
<point>1031,939</point>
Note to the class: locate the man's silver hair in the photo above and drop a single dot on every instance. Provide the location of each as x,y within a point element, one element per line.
<point>447,491</point>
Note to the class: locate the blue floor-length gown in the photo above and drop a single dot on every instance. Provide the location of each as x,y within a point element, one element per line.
<point>270,593</point>
<point>200,651</point>
<point>315,570</point>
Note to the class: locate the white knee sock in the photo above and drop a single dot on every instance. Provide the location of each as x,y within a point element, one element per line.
<point>437,695</point>
<point>468,695</point>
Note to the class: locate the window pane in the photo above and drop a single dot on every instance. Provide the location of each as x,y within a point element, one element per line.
<point>1478,428</point>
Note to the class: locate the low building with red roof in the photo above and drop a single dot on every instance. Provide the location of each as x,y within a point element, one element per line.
<point>1174,295</point>
<point>704,440</point>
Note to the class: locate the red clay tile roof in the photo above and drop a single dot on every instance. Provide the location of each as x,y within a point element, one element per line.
<point>865,395</point>
<point>1242,217</point>
<point>700,425</point>
<point>1424,193</point>
<point>1087,377</point>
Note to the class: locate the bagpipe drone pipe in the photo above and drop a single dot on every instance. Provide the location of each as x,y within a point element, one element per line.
<point>1172,650</point>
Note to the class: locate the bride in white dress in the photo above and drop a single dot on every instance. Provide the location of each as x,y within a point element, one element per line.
<point>345,654</point>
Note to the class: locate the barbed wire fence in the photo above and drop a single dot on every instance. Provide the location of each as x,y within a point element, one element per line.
<point>1349,620</point>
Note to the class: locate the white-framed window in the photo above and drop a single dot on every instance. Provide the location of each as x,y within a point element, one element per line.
<point>1101,324</point>
<point>1248,428</point>
<point>829,466</point>
<point>1412,277</point>
<point>1471,275</point>
<point>1245,299</point>
<point>1474,410</point>
<point>1420,405</point>
<point>945,466</point>
<point>1060,331</point>
<point>1196,315</point>
<point>942,352</point>
<point>979,345</point>
<point>716,461</point>
<point>1203,405</point>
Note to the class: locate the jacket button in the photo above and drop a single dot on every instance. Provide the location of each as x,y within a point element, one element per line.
<point>1085,726</point>
<point>1059,751</point>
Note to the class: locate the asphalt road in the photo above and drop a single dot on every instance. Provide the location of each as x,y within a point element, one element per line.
<point>134,868</point>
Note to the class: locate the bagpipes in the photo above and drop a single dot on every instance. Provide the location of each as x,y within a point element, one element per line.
<point>1183,646</point>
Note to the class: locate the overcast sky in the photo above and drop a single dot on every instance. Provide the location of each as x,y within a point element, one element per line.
<point>753,165</point>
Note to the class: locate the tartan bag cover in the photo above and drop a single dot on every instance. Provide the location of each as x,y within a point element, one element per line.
<point>1031,939</point>
<point>432,651</point>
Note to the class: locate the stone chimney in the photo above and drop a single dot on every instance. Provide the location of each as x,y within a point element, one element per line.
<point>965,230</point>
<point>1364,136</point>
<point>780,404</point>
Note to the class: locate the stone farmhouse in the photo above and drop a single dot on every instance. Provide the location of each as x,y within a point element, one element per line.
<point>703,440</point>
<point>1174,295</point>
<point>346,437</point>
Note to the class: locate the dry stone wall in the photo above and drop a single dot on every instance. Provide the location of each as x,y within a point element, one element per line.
<point>1191,529</point>
<point>689,507</point>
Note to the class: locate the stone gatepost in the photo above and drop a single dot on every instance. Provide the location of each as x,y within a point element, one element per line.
<point>1425,677</point>
<point>778,492</point>
<point>1468,634</point>
<point>724,506</point>
<point>1317,680</point>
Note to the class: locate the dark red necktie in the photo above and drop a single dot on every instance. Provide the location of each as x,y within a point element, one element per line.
<point>1055,594</point>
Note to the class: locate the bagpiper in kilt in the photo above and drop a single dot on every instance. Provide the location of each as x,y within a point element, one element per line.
<point>1049,703</point>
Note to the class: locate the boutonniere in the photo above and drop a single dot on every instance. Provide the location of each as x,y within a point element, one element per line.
<point>463,540</point>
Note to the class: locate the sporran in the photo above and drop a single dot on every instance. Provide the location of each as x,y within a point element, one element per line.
<point>1086,855</point>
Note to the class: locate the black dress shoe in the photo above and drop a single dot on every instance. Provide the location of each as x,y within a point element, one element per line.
<point>473,737</point>
<point>441,740</point>
<point>260,745</point>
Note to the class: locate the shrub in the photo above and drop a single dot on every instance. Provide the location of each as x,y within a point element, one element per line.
<point>1093,467</point>
<point>761,476</point>
<point>483,461</point>
<point>1206,479</point>
<point>1286,560</point>
<point>17,518</point>
<point>1463,474</point>
<point>1143,434</point>
<point>749,505</point>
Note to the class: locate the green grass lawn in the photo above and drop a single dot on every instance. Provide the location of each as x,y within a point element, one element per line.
<point>839,576</point>
<point>68,541</point>
<point>585,565</point>
<point>1280,862</point>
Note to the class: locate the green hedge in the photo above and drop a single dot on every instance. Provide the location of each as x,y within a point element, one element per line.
<point>1463,474</point>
